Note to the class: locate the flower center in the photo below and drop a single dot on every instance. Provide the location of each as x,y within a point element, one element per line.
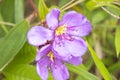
<point>51,56</point>
<point>60,30</point>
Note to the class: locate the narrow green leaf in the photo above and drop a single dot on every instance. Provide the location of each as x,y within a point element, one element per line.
<point>21,72</point>
<point>102,69</point>
<point>19,11</point>
<point>7,10</point>
<point>89,63</point>
<point>117,40</point>
<point>12,43</point>
<point>114,67</point>
<point>79,78</point>
<point>42,9</point>
<point>3,29</point>
<point>80,70</point>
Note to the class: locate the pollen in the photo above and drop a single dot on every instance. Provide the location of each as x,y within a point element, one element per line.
<point>51,56</point>
<point>61,30</point>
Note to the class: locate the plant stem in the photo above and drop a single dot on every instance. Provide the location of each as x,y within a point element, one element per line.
<point>110,13</point>
<point>7,23</point>
<point>67,4</point>
<point>4,27</point>
<point>117,3</point>
<point>75,3</point>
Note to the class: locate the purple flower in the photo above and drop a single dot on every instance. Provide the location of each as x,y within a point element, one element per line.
<point>46,61</point>
<point>63,39</point>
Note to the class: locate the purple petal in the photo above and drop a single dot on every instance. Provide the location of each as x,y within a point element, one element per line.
<point>39,35</point>
<point>59,71</point>
<point>52,19</point>
<point>81,30</point>
<point>42,69</point>
<point>73,18</point>
<point>43,51</point>
<point>78,23</point>
<point>75,60</point>
<point>65,72</point>
<point>68,48</point>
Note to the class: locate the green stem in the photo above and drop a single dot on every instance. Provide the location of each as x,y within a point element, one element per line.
<point>115,16</point>
<point>107,11</point>
<point>75,3</point>
<point>4,27</point>
<point>67,4</point>
<point>7,23</point>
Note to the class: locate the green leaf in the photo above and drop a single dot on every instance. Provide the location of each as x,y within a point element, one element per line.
<point>20,68</point>
<point>19,11</point>
<point>114,67</point>
<point>117,40</point>
<point>102,69</point>
<point>7,10</point>
<point>3,29</point>
<point>25,56</point>
<point>79,78</point>
<point>89,63</point>
<point>23,59</point>
<point>21,72</point>
<point>93,4</point>
<point>80,70</point>
<point>12,43</point>
<point>42,9</point>
<point>98,17</point>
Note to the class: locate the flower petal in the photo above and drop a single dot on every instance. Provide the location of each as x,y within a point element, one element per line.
<point>65,72</point>
<point>68,48</point>
<point>52,19</point>
<point>43,51</point>
<point>57,73</point>
<point>79,25</point>
<point>75,60</point>
<point>82,30</point>
<point>42,69</point>
<point>39,35</point>
<point>73,18</point>
<point>60,71</point>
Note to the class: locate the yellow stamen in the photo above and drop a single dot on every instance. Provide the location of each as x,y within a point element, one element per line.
<point>60,30</point>
<point>51,56</point>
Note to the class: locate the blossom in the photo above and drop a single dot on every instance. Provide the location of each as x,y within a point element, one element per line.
<point>62,42</point>
<point>46,61</point>
<point>66,36</point>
